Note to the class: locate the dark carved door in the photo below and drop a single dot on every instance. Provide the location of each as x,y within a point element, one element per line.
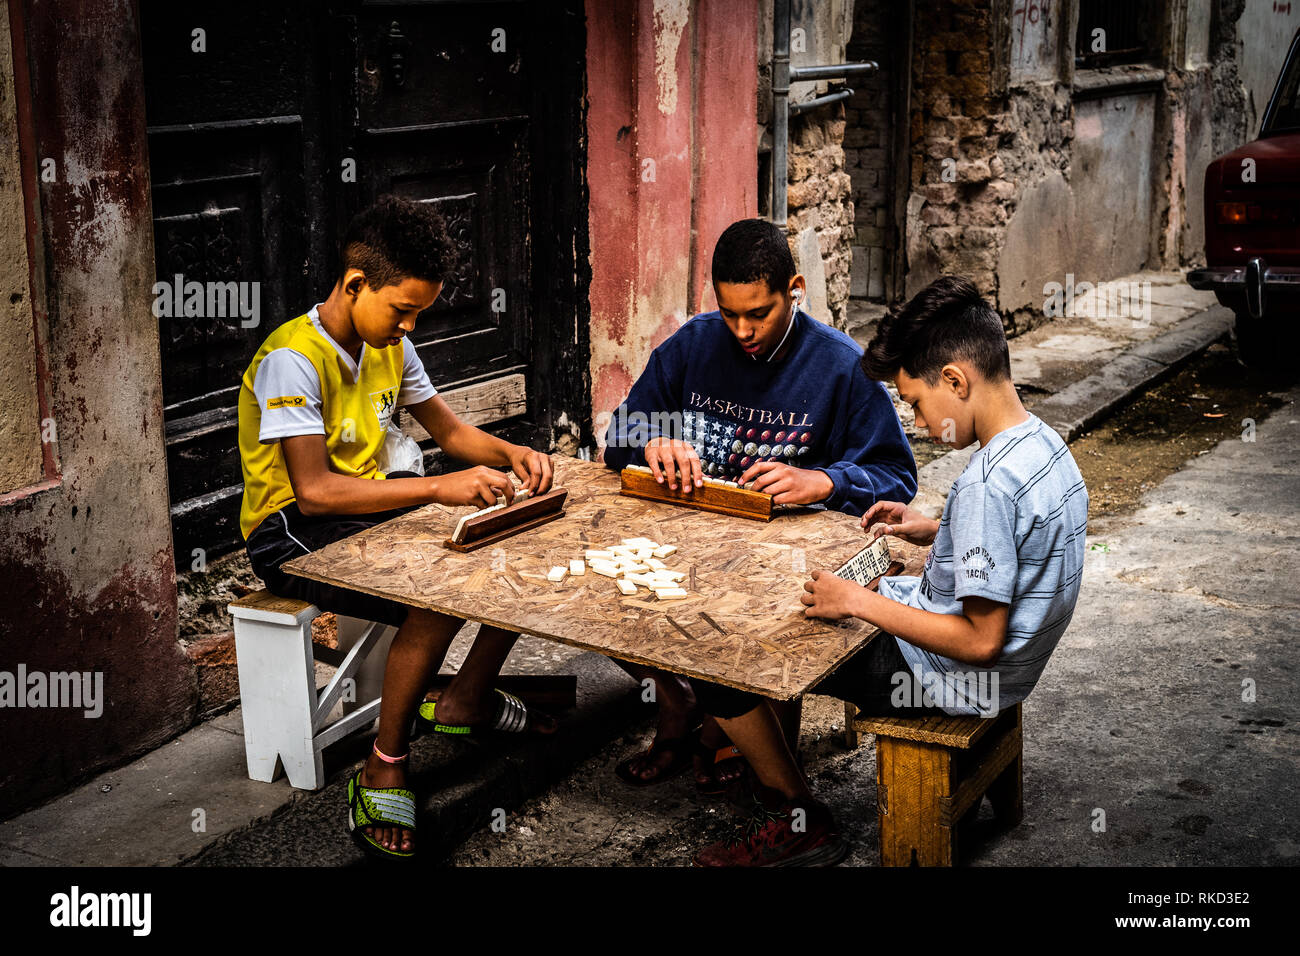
<point>295,115</point>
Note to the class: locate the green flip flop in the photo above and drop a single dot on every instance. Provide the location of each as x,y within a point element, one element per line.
<point>379,807</point>
<point>511,717</point>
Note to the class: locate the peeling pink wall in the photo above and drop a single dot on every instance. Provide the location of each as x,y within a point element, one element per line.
<point>86,567</point>
<point>673,83</point>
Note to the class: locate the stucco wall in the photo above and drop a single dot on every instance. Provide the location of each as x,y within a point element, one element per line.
<point>20,427</point>
<point>1264,34</point>
<point>87,570</point>
<point>672,160</point>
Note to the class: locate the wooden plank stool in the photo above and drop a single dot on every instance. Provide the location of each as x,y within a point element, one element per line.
<point>932,773</point>
<point>284,714</point>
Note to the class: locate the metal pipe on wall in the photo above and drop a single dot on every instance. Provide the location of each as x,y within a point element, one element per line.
<point>835,97</point>
<point>780,108</point>
<point>782,77</point>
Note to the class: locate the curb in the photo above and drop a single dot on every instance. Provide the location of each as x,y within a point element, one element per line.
<point>1077,407</point>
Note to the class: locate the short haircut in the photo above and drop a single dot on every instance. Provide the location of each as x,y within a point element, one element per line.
<point>946,320</point>
<point>753,250</point>
<point>397,239</point>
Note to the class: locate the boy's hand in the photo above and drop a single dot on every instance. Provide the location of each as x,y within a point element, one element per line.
<point>892,517</point>
<point>532,468</point>
<point>829,597</point>
<point>479,486</point>
<point>787,484</point>
<point>668,456</point>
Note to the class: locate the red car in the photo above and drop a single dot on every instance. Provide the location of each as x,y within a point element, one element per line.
<point>1252,225</point>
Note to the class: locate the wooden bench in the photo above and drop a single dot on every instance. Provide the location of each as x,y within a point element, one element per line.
<point>933,772</point>
<point>284,714</point>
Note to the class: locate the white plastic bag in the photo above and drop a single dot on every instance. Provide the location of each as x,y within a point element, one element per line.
<point>400,453</point>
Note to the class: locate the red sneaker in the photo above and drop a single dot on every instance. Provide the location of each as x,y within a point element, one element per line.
<point>780,832</point>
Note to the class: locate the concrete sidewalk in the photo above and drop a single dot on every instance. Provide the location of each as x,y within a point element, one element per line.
<point>191,798</point>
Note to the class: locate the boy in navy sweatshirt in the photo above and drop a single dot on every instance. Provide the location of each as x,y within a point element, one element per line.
<point>759,392</point>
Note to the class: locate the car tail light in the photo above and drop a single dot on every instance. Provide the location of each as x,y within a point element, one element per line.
<point>1241,214</point>
<point>1232,213</point>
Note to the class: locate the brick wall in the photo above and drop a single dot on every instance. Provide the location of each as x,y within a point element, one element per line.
<point>868,148</point>
<point>959,203</point>
<point>820,197</point>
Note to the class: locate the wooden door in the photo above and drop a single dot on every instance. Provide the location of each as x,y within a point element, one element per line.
<point>294,116</point>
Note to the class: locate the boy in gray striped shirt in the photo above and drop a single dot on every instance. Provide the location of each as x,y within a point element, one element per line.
<point>973,633</point>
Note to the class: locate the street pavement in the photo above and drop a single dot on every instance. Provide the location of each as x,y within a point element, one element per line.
<point>1163,731</point>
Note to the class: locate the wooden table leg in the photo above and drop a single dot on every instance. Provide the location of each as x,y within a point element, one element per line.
<point>850,737</point>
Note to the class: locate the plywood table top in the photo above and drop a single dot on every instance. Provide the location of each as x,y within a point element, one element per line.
<point>742,625</point>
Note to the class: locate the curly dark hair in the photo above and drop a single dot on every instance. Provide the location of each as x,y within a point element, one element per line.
<point>753,250</point>
<point>946,320</point>
<point>398,239</point>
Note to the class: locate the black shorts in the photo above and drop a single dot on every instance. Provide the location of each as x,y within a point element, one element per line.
<point>288,534</point>
<point>865,679</point>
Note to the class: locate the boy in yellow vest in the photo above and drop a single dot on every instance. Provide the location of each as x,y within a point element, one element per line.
<point>314,409</point>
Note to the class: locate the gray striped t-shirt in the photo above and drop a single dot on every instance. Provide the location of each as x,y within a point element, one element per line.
<point>1013,532</point>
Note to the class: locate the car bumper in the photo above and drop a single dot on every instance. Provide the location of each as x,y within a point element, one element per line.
<point>1256,281</point>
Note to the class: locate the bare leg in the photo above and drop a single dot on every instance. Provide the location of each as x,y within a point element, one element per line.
<point>789,714</point>
<point>758,735</point>
<point>414,657</point>
<point>677,713</point>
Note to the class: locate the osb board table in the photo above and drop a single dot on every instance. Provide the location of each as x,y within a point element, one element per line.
<point>743,624</point>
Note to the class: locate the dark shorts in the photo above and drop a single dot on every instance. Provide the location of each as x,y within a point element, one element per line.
<point>865,679</point>
<point>289,534</point>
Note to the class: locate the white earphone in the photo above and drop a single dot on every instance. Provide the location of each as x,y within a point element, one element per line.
<point>797,295</point>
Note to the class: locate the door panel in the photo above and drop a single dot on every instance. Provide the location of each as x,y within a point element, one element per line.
<point>441,118</point>
<point>247,140</point>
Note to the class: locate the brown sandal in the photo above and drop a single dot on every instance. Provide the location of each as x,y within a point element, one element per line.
<point>717,757</point>
<point>683,750</point>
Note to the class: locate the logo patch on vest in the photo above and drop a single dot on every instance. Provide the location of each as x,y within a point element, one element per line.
<point>385,402</point>
<point>284,401</point>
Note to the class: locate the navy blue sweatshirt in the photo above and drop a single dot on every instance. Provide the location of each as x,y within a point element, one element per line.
<point>813,407</point>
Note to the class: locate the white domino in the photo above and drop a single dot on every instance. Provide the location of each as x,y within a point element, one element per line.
<point>577,568</point>
<point>627,587</point>
<point>556,574</point>
<point>665,594</point>
<point>868,564</point>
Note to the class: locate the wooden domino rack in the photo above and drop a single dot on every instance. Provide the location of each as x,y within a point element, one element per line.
<point>722,497</point>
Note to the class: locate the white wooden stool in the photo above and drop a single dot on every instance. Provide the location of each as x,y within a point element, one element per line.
<point>284,714</point>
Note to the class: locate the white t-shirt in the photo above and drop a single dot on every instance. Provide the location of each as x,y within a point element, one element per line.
<point>289,372</point>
